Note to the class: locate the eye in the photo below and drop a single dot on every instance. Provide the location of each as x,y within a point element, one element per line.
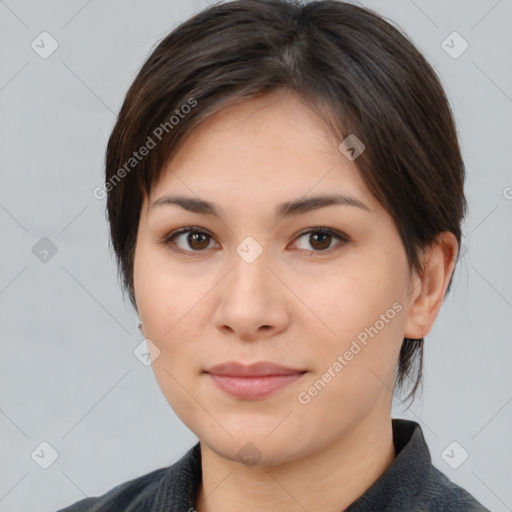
<point>198,240</point>
<point>320,239</point>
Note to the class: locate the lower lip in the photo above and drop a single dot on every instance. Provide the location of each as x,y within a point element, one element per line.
<point>253,387</point>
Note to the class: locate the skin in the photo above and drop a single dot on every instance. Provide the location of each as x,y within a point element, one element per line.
<point>294,305</point>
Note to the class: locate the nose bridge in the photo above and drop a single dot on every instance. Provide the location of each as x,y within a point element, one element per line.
<point>249,300</point>
<point>251,250</point>
<point>250,263</point>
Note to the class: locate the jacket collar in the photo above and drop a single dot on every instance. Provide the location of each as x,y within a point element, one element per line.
<point>412,464</point>
<point>412,467</point>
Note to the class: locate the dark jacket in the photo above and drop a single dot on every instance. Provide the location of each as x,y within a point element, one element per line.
<point>410,484</point>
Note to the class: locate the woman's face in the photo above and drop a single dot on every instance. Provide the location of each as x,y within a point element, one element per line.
<point>254,284</point>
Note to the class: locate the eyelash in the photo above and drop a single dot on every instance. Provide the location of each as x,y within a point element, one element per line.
<point>169,239</point>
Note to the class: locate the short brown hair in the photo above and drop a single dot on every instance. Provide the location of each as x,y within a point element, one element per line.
<point>361,74</point>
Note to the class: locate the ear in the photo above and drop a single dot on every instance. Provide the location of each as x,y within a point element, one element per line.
<point>429,289</point>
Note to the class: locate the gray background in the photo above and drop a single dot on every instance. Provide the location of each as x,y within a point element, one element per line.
<point>68,375</point>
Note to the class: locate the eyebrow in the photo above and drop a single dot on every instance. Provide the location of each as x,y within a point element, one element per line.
<point>287,209</point>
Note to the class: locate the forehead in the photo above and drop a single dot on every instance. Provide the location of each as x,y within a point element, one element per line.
<point>272,147</point>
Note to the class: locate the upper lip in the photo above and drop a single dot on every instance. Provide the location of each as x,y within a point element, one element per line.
<point>235,369</point>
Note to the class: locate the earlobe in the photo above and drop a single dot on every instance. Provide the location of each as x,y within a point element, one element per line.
<point>429,291</point>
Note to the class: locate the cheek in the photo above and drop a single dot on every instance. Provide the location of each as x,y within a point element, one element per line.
<point>362,306</point>
<point>164,292</point>
<point>353,298</point>
<point>357,370</point>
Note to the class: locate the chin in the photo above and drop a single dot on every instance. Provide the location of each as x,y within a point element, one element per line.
<point>249,453</point>
<point>255,447</point>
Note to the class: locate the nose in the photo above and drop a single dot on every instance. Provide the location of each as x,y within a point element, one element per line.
<point>253,301</point>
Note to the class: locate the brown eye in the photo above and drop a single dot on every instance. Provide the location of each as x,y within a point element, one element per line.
<point>197,240</point>
<point>194,241</point>
<point>319,240</point>
<point>322,239</point>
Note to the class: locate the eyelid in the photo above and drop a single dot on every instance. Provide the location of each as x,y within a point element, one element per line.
<point>342,237</point>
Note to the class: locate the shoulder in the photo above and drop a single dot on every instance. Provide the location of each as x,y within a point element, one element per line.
<point>176,484</point>
<point>128,496</point>
<point>412,482</point>
<point>444,495</point>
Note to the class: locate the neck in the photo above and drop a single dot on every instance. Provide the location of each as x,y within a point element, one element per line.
<point>329,480</point>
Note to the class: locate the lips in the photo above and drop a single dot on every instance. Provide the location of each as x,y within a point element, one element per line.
<point>252,381</point>
<point>265,368</point>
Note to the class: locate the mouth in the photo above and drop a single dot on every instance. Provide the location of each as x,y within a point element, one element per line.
<point>253,381</point>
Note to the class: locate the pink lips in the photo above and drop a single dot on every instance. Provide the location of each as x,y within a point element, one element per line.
<point>254,381</point>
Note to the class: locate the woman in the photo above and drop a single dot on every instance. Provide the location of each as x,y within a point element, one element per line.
<point>285,194</point>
